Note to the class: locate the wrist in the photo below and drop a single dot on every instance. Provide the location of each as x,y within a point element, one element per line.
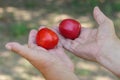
<point>110,55</point>
<point>58,72</point>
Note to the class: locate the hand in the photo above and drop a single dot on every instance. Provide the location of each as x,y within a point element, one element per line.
<point>53,60</point>
<point>92,43</point>
<point>100,44</point>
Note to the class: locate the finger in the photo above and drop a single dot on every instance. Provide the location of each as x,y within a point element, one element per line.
<point>85,32</point>
<point>100,17</point>
<point>32,39</point>
<point>67,43</point>
<point>41,27</point>
<point>59,45</point>
<point>19,49</point>
<point>56,29</point>
<point>105,24</point>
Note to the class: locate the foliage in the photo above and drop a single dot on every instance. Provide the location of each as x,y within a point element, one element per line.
<point>18,29</point>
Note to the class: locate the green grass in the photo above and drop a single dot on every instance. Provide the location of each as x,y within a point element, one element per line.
<point>82,72</point>
<point>30,4</point>
<point>18,29</point>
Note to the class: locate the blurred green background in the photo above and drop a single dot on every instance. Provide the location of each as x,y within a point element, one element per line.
<point>18,17</point>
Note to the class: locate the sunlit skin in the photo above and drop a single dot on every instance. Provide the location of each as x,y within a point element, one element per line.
<point>90,43</point>
<point>100,45</point>
<point>46,61</point>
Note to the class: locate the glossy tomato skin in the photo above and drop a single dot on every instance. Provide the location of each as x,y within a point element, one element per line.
<point>70,28</point>
<point>46,38</point>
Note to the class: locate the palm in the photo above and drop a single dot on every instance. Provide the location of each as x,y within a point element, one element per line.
<point>91,42</point>
<point>40,57</point>
<point>56,55</point>
<point>43,58</point>
<point>85,45</point>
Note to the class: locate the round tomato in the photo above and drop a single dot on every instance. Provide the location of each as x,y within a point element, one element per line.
<point>70,28</point>
<point>46,38</point>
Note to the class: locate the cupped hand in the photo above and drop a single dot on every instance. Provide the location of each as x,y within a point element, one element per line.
<point>40,57</point>
<point>92,43</point>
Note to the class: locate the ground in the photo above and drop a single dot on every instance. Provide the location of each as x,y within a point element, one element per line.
<point>17,18</point>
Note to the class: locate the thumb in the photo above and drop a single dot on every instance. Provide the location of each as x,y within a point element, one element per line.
<point>18,48</point>
<point>100,17</point>
<point>105,24</point>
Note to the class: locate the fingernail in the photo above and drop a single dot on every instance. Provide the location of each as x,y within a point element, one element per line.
<point>96,11</point>
<point>33,31</point>
<point>97,7</point>
<point>8,47</point>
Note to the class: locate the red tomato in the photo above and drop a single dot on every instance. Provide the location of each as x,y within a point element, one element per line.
<point>70,28</point>
<point>46,38</point>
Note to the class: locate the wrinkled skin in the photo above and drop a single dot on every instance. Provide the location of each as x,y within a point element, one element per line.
<point>91,43</point>
<point>40,57</point>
